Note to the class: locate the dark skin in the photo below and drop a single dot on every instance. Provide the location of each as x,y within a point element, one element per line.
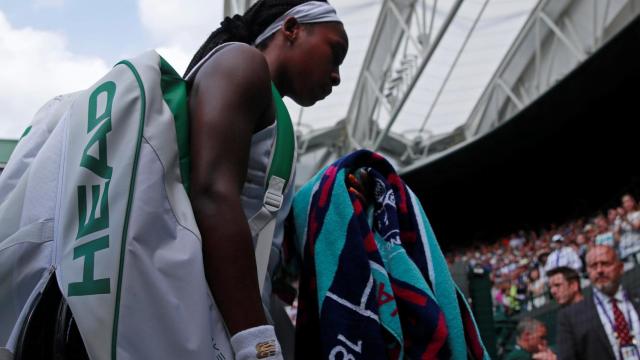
<point>230,101</point>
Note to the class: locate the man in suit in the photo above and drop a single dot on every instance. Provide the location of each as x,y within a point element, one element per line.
<point>604,325</point>
<point>564,285</point>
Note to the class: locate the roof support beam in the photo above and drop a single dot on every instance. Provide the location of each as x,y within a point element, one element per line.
<point>429,53</point>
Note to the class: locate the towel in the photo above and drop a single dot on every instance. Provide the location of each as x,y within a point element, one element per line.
<point>374,282</point>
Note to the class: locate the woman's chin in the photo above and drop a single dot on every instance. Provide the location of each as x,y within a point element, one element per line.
<point>305,102</point>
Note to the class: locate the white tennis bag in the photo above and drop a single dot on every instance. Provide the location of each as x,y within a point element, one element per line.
<point>95,193</point>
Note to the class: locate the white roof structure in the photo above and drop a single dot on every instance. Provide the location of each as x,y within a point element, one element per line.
<point>425,76</point>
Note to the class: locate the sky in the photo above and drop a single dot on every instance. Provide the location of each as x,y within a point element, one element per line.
<point>51,47</point>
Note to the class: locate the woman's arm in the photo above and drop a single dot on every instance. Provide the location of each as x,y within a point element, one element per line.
<point>229,100</point>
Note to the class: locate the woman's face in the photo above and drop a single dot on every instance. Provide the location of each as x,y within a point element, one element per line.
<point>315,61</point>
<point>535,275</point>
<point>628,203</point>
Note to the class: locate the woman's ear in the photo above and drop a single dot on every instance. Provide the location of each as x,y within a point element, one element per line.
<point>290,28</point>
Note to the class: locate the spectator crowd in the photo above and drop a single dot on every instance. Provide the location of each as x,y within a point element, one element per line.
<point>529,268</point>
<point>519,265</point>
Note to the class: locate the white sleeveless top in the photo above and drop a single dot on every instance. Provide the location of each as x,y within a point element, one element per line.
<point>254,186</point>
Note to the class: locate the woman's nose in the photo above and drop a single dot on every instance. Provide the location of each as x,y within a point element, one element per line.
<point>335,77</point>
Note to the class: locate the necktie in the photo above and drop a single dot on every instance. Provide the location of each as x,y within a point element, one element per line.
<point>621,325</point>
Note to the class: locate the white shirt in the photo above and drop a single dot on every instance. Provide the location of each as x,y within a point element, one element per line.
<point>630,238</point>
<point>606,239</point>
<point>564,256</point>
<point>605,309</point>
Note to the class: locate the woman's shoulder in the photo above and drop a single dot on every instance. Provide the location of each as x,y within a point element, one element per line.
<point>236,71</point>
<point>236,60</point>
<point>235,78</point>
<point>239,48</point>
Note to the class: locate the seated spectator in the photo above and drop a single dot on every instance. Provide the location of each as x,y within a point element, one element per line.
<point>564,285</point>
<point>542,256</point>
<point>590,231</point>
<point>629,227</point>
<point>583,245</point>
<point>531,342</point>
<point>605,236</point>
<point>535,289</point>
<point>614,219</point>
<point>536,284</point>
<point>499,293</point>
<point>513,299</point>
<point>516,241</point>
<point>562,255</point>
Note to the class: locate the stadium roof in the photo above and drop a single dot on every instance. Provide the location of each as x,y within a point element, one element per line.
<point>498,24</point>
<point>567,155</point>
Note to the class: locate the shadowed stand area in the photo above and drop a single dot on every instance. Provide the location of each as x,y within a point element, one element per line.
<point>570,153</point>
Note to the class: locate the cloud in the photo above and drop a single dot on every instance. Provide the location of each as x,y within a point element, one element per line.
<point>179,27</point>
<point>34,67</point>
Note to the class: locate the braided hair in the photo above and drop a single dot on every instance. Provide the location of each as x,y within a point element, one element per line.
<point>245,28</point>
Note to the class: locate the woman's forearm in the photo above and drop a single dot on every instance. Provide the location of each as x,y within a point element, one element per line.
<point>229,262</point>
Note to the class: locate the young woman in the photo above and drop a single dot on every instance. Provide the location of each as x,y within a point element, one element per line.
<point>298,46</point>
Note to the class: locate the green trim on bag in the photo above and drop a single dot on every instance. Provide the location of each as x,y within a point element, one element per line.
<point>282,160</point>
<point>26,132</point>
<point>174,92</point>
<point>125,229</point>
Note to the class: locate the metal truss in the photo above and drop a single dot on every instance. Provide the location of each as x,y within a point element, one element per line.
<point>403,42</point>
<point>557,37</point>
<point>404,39</point>
<point>232,7</point>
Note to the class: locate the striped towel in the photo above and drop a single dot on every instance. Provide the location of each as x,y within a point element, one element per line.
<point>374,282</point>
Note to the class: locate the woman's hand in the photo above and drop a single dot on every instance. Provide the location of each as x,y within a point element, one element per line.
<point>359,185</point>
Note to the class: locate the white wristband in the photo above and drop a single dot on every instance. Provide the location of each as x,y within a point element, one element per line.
<point>259,342</point>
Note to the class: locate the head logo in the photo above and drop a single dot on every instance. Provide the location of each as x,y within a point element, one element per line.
<point>93,215</point>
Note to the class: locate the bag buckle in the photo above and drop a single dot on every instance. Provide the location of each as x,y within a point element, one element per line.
<point>273,200</point>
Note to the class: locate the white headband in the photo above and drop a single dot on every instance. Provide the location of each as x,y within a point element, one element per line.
<point>309,12</point>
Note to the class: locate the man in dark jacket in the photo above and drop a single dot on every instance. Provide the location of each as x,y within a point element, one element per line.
<point>564,285</point>
<point>604,325</point>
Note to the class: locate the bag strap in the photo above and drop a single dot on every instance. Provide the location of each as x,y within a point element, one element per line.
<point>263,223</point>
<point>282,157</point>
